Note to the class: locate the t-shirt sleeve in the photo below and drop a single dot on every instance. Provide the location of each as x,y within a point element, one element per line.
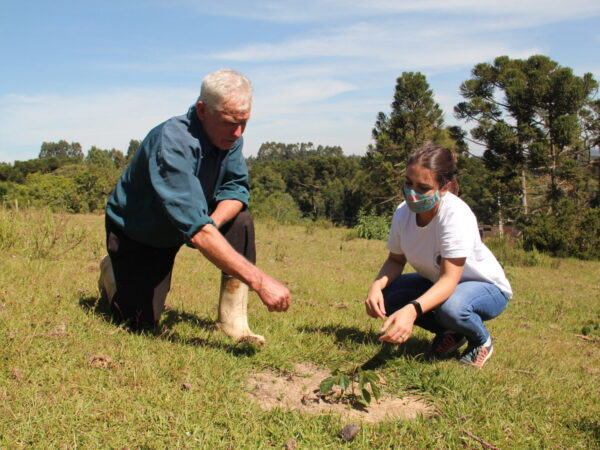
<point>394,243</point>
<point>179,190</point>
<point>235,181</point>
<point>458,229</point>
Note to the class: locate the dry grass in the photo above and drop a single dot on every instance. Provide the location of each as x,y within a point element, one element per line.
<point>69,378</point>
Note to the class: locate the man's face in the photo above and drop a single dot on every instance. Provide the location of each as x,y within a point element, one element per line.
<point>224,127</point>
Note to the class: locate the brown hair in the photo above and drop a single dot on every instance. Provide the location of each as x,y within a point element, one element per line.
<point>440,160</point>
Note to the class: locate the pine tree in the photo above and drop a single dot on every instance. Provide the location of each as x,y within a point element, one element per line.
<point>415,118</point>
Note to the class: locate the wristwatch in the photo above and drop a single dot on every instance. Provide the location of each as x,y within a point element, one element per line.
<point>417,306</point>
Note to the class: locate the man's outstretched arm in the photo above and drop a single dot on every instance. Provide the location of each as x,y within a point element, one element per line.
<point>217,250</point>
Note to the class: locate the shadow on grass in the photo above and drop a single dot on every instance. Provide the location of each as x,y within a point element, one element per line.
<point>344,335</point>
<point>164,330</point>
<point>588,425</point>
<point>97,306</point>
<point>416,347</point>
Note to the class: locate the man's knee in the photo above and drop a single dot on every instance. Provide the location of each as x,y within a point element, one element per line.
<point>244,219</point>
<point>239,232</point>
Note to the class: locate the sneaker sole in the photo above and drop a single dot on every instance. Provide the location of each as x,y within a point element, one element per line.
<point>479,365</point>
<point>452,349</point>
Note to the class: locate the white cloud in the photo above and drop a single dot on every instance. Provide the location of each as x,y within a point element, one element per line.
<point>323,84</point>
<point>283,111</point>
<point>105,119</point>
<point>323,11</point>
<point>383,45</point>
<point>551,9</point>
<point>291,96</point>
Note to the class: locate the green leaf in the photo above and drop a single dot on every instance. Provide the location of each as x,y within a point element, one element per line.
<point>371,377</point>
<point>376,391</point>
<point>361,381</point>
<point>326,385</point>
<point>366,396</point>
<point>344,381</point>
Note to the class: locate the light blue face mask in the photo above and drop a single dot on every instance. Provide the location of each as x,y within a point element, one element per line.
<point>420,203</point>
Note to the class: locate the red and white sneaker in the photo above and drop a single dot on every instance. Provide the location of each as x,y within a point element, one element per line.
<point>444,344</point>
<point>476,356</point>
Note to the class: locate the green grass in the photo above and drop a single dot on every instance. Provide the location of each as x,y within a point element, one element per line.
<point>540,389</point>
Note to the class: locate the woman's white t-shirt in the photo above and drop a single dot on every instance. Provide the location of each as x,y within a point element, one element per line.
<point>452,233</point>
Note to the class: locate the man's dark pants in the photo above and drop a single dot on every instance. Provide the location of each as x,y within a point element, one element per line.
<point>143,273</point>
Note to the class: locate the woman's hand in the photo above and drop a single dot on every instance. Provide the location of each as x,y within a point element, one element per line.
<point>399,326</point>
<point>374,303</point>
<point>392,268</point>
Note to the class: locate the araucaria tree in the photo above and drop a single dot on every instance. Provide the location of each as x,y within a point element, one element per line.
<point>527,117</point>
<point>415,118</point>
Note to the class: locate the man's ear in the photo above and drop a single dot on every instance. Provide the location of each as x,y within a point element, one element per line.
<point>200,110</point>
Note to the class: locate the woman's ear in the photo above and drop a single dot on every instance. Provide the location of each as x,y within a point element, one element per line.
<point>450,186</point>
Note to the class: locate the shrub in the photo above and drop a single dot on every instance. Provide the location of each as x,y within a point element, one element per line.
<point>8,229</point>
<point>279,207</point>
<point>38,233</point>
<point>13,195</point>
<point>512,254</point>
<point>568,231</point>
<point>317,224</point>
<point>372,226</point>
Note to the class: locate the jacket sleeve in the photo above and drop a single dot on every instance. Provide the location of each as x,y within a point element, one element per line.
<point>235,179</point>
<point>179,190</point>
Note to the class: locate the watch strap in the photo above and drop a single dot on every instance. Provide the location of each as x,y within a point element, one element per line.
<point>417,306</point>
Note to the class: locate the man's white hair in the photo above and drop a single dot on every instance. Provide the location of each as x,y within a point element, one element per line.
<point>226,86</point>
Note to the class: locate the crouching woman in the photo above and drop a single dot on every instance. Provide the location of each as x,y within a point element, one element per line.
<point>458,283</point>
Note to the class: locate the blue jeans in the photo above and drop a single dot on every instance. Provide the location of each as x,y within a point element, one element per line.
<point>471,303</point>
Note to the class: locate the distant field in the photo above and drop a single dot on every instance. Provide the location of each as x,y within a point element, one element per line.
<point>69,378</point>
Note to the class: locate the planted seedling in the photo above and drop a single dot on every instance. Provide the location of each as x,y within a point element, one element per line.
<point>366,380</point>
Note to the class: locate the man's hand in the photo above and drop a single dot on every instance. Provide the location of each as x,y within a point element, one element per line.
<point>399,325</point>
<point>273,294</point>
<point>213,245</point>
<point>374,303</point>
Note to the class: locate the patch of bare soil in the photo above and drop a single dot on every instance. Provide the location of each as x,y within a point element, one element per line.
<point>58,331</point>
<point>101,362</point>
<point>300,391</point>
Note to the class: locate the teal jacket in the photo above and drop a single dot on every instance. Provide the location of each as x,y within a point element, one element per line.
<point>174,182</point>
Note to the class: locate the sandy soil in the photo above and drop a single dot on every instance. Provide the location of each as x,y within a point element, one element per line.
<point>299,390</point>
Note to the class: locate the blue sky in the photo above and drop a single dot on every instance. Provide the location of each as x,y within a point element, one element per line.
<point>102,73</point>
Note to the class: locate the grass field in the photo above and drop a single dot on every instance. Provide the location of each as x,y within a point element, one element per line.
<point>69,378</point>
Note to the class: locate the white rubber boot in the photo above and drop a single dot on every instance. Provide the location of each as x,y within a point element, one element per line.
<point>233,311</point>
<point>106,283</point>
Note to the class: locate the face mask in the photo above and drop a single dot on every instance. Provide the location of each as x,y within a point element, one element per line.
<point>420,203</point>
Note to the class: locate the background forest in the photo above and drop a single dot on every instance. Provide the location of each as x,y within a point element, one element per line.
<point>536,122</point>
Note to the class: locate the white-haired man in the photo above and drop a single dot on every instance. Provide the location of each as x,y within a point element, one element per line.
<point>188,183</point>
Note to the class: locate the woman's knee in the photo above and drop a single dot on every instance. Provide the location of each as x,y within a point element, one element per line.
<point>402,290</point>
<point>452,312</point>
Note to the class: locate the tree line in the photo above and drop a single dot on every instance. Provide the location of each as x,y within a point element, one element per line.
<point>539,126</point>
<point>63,178</point>
<point>537,122</point>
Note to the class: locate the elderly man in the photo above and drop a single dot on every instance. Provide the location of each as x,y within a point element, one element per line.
<point>188,183</point>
